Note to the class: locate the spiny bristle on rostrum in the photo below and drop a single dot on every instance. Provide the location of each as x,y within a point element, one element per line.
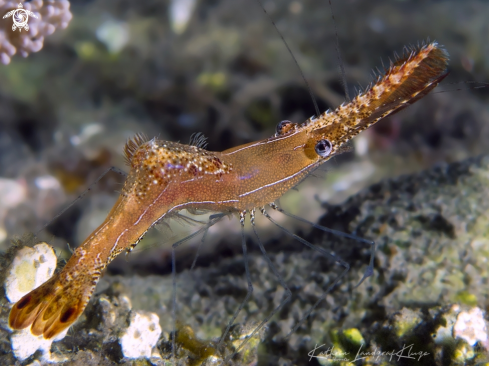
<point>406,81</point>
<point>418,67</point>
<point>416,72</point>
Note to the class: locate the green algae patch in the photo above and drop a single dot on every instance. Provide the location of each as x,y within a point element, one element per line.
<point>202,350</point>
<point>466,298</point>
<point>462,353</point>
<point>405,322</point>
<point>345,345</point>
<point>353,337</point>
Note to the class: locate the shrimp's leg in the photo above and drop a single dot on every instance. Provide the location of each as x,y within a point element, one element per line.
<point>249,291</point>
<point>287,296</point>
<point>213,219</point>
<point>321,251</point>
<point>206,231</point>
<point>370,269</point>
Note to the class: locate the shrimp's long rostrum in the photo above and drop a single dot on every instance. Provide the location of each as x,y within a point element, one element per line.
<point>166,177</point>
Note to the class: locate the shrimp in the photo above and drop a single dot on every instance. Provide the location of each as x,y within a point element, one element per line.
<point>166,177</point>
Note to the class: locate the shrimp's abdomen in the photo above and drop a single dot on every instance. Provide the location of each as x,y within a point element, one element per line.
<point>164,176</point>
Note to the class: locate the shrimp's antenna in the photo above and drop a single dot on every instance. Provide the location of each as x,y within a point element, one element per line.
<point>322,251</point>
<point>338,55</point>
<point>112,168</point>
<point>316,108</point>
<point>212,220</point>
<point>370,269</point>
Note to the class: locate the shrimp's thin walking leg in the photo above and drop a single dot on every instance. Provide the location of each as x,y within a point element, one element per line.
<point>370,269</point>
<point>288,293</point>
<point>212,220</point>
<point>323,252</point>
<point>249,291</point>
<point>287,296</point>
<point>206,231</point>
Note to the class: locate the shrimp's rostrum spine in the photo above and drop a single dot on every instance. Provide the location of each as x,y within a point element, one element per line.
<point>166,177</point>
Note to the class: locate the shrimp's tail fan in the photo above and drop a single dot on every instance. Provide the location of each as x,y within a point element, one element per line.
<point>53,306</point>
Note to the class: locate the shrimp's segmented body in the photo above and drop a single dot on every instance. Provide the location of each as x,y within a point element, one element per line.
<point>166,177</point>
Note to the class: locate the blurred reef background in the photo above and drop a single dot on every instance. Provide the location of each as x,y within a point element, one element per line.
<point>99,71</point>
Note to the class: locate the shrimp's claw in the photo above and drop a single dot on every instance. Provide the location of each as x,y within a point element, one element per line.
<point>50,308</point>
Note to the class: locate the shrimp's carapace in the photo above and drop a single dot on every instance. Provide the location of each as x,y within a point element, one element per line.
<point>166,177</point>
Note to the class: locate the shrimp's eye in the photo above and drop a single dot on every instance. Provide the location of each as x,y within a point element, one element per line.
<point>284,126</point>
<point>323,148</point>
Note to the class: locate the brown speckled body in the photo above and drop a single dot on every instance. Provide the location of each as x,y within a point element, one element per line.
<point>166,177</point>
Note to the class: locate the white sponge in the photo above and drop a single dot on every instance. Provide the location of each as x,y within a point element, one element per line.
<point>141,336</point>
